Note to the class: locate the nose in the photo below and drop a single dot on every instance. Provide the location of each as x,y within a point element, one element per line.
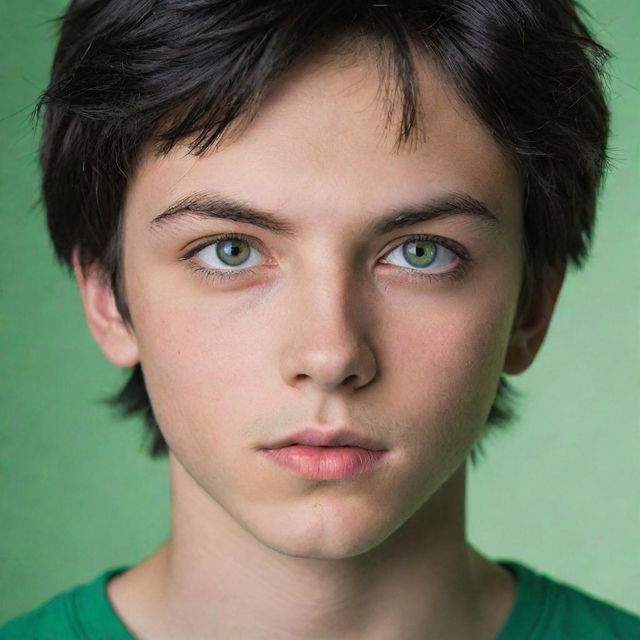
<point>328,335</point>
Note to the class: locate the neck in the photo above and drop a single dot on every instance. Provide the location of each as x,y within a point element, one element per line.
<point>213,579</point>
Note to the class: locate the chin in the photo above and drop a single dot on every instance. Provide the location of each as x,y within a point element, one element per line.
<point>325,533</point>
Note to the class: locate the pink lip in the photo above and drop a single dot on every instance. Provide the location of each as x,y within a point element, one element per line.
<point>325,463</point>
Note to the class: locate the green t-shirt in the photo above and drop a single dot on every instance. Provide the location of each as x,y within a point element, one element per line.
<point>543,609</point>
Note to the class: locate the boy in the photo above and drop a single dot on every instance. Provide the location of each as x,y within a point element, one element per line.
<point>319,233</point>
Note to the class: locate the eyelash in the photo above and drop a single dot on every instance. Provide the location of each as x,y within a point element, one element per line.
<point>231,274</point>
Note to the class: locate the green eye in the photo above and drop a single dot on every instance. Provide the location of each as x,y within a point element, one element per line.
<point>420,253</point>
<point>228,251</point>
<point>427,256</point>
<point>232,252</point>
<point>423,254</point>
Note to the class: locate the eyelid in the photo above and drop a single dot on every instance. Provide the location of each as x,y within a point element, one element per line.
<point>252,242</point>
<point>217,272</point>
<point>447,243</point>
<point>458,249</point>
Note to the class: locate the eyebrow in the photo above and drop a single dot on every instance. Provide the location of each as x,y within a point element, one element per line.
<point>218,206</point>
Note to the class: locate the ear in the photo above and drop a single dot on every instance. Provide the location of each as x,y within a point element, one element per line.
<point>528,333</point>
<point>113,335</point>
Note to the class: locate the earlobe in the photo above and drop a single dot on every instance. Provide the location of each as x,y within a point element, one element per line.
<point>113,335</point>
<point>529,333</point>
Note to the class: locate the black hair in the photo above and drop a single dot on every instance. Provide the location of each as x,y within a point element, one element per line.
<point>129,72</point>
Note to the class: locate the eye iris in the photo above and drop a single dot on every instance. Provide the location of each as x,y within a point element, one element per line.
<point>232,252</point>
<point>421,252</point>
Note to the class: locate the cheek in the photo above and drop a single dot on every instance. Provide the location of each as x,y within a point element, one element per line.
<point>452,357</point>
<point>201,361</point>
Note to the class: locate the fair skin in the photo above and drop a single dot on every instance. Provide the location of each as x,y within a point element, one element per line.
<point>329,329</point>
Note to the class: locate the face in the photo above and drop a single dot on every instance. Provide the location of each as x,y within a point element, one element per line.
<point>399,334</point>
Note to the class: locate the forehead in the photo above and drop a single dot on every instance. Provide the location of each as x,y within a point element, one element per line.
<point>324,142</point>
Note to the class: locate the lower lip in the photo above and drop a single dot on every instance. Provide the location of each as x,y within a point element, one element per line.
<point>325,463</point>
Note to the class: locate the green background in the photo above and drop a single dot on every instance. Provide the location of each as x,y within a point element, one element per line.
<point>559,491</point>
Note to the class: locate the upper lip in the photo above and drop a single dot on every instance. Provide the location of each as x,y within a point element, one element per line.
<point>322,438</point>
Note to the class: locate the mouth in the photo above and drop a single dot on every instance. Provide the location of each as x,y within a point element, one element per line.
<point>320,438</point>
<point>326,462</point>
